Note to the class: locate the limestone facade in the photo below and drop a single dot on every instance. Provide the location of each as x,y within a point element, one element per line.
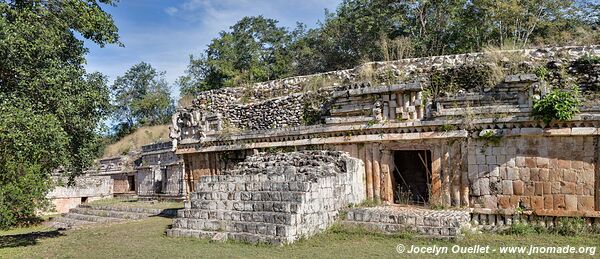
<point>479,148</point>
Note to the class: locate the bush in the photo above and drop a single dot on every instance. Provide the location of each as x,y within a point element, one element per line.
<point>31,147</point>
<point>559,105</point>
<point>521,228</point>
<point>570,227</point>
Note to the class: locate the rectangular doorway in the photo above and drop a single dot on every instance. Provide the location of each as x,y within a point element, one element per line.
<point>412,176</point>
<point>131,182</point>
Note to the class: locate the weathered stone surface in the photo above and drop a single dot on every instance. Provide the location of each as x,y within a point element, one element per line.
<point>274,198</point>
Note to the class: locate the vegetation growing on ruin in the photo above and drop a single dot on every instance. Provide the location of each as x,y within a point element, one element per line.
<point>257,49</point>
<point>474,77</point>
<point>491,138</point>
<point>559,104</point>
<point>138,138</point>
<point>588,60</point>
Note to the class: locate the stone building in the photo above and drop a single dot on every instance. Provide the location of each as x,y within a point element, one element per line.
<point>451,131</point>
<point>154,172</point>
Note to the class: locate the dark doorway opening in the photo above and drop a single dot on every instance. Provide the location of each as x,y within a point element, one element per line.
<point>412,176</point>
<point>131,182</point>
<point>84,199</point>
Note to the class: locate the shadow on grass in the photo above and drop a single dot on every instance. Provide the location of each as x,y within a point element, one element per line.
<point>26,239</point>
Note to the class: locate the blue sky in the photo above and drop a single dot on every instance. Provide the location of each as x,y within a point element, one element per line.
<point>165,32</point>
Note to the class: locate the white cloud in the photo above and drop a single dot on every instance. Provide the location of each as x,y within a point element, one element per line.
<point>186,28</point>
<point>171,10</point>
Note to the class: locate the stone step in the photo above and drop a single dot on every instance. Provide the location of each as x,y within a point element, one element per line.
<point>247,216</point>
<point>91,218</point>
<point>244,237</point>
<point>238,206</point>
<point>110,213</point>
<point>63,222</point>
<point>274,229</point>
<point>423,231</point>
<point>162,212</point>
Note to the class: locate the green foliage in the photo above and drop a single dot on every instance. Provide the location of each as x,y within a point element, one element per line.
<point>565,227</point>
<point>49,107</point>
<point>141,98</point>
<point>491,138</point>
<point>447,127</point>
<point>31,145</point>
<point>542,73</point>
<point>522,228</point>
<point>255,50</point>
<point>570,227</point>
<point>369,203</point>
<point>559,105</point>
<point>588,60</point>
<point>465,77</point>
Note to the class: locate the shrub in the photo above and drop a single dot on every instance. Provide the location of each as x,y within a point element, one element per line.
<point>588,60</point>
<point>570,227</point>
<point>520,228</point>
<point>559,105</point>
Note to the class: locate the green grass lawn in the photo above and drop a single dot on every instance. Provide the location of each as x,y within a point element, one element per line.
<point>139,204</point>
<point>146,239</point>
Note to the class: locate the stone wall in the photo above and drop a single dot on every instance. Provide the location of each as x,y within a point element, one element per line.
<point>400,69</point>
<point>85,188</point>
<point>534,173</point>
<point>273,198</point>
<point>160,171</point>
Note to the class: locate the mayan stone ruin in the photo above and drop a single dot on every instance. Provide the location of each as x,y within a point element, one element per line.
<point>273,198</point>
<point>281,160</point>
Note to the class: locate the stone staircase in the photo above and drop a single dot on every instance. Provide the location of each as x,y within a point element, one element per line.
<point>87,214</point>
<point>444,224</point>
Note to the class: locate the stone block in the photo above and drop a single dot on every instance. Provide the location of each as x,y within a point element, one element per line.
<point>518,187</point>
<point>585,203</point>
<point>568,188</point>
<point>537,203</point>
<point>539,188</point>
<point>548,202</point>
<point>571,202</point>
<point>559,201</point>
<point>507,187</point>
<point>484,186</point>
<point>564,164</point>
<point>570,176</point>
<point>503,201</point>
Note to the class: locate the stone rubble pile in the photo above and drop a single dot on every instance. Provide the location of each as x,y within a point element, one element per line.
<point>273,198</point>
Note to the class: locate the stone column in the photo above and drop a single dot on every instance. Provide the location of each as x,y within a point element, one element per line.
<point>464,179</point>
<point>386,178</point>
<point>369,169</point>
<point>376,172</point>
<point>436,183</point>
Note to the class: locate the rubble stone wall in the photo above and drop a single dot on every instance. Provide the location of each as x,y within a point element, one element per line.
<point>273,198</point>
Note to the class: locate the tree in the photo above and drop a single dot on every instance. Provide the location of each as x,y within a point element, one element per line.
<point>141,97</point>
<point>255,50</point>
<point>49,106</point>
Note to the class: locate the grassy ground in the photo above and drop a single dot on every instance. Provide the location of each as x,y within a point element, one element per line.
<point>135,140</point>
<point>146,239</point>
<point>139,204</point>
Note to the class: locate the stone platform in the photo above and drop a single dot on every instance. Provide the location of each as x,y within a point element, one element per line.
<point>397,219</point>
<point>273,198</point>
